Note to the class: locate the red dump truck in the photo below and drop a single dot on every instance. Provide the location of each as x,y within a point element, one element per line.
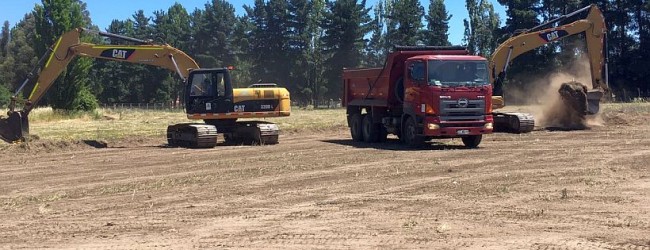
<point>421,93</point>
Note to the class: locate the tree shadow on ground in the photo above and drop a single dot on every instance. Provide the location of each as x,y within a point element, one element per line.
<point>394,144</point>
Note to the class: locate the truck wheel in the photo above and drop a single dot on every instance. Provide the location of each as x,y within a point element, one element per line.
<point>472,141</point>
<point>370,130</point>
<point>409,134</point>
<point>354,122</point>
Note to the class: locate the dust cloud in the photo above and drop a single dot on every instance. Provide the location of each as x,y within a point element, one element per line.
<point>548,107</point>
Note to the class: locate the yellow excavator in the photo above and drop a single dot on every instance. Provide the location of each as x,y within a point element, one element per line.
<point>588,21</point>
<point>209,94</point>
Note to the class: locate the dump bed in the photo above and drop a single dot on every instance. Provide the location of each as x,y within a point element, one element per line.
<point>366,84</point>
<point>376,86</point>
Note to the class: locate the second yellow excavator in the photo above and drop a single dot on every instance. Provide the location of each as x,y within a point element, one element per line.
<point>575,95</point>
<point>209,94</point>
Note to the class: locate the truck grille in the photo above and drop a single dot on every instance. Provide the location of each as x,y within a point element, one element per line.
<point>462,110</point>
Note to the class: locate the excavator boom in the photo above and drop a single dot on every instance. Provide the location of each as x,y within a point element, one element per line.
<point>218,103</point>
<point>594,30</point>
<point>16,126</point>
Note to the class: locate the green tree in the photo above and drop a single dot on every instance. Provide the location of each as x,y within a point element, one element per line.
<point>169,30</point>
<point>299,31</point>
<point>406,16</point>
<point>112,84</point>
<point>481,27</point>
<point>242,76</point>
<point>346,23</point>
<point>53,18</point>
<point>4,39</point>
<point>214,37</point>
<point>5,96</point>
<point>522,15</point>
<point>562,52</point>
<point>20,58</point>
<point>376,50</point>
<point>314,85</point>
<point>270,41</point>
<point>437,30</point>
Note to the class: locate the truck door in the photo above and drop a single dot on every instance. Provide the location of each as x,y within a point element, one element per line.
<point>416,78</point>
<point>209,91</point>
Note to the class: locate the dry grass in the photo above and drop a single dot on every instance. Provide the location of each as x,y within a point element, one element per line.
<point>106,124</point>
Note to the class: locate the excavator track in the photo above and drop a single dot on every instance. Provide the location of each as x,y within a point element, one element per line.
<point>253,133</point>
<point>192,135</point>
<point>517,123</point>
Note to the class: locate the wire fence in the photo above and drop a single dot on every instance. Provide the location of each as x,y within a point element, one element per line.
<point>331,104</point>
<point>145,106</point>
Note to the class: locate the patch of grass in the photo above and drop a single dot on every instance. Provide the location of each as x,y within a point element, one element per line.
<point>564,194</point>
<point>628,108</point>
<point>410,224</point>
<point>49,115</point>
<point>105,124</point>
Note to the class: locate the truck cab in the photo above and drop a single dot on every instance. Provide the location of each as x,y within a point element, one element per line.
<point>423,93</point>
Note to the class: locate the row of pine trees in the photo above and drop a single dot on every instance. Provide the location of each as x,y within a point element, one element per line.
<point>303,44</point>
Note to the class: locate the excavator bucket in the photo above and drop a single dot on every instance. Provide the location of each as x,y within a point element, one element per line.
<point>14,128</point>
<point>580,100</point>
<point>593,101</point>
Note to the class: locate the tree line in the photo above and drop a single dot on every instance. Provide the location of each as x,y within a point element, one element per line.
<point>304,44</point>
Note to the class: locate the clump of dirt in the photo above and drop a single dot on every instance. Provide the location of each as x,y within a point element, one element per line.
<point>574,96</point>
<point>37,145</point>
<point>615,119</point>
<point>568,113</point>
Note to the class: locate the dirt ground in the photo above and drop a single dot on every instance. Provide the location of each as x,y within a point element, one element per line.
<point>544,190</point>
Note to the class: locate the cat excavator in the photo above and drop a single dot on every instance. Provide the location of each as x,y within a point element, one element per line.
<point>588,21</point>
<point>209,94</point>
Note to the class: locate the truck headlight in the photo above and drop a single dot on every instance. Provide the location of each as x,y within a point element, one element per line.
<point>433,126</point>
<point>488,125</point>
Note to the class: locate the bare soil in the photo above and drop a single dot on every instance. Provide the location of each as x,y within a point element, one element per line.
<point>587,189</point>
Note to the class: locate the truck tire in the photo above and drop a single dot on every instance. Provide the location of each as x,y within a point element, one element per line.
<point>472,141</point>
<point>410,135</point>
<point>370,130</point>
<point>354,121</point>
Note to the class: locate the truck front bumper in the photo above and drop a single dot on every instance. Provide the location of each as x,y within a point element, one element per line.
<point>432,126</point>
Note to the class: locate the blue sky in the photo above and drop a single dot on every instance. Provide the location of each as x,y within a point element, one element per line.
<point>103,12</point>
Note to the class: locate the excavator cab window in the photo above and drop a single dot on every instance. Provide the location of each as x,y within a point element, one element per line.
<point>208,84</point>
<point>209,91</point>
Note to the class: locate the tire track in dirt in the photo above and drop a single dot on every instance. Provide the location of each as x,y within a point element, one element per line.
<point>322,192</point>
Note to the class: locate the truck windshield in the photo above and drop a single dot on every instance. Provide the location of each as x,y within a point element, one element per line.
<point>457,73</point>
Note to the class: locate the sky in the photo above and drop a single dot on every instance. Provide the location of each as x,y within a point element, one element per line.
<point>102,12</point>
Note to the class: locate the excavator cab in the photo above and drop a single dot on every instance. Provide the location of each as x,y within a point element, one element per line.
<point>210,91</point>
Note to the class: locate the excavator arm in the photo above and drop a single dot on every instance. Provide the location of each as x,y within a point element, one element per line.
<point>594,29</point>
<point>69,46</point>
<point>593,26</point>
